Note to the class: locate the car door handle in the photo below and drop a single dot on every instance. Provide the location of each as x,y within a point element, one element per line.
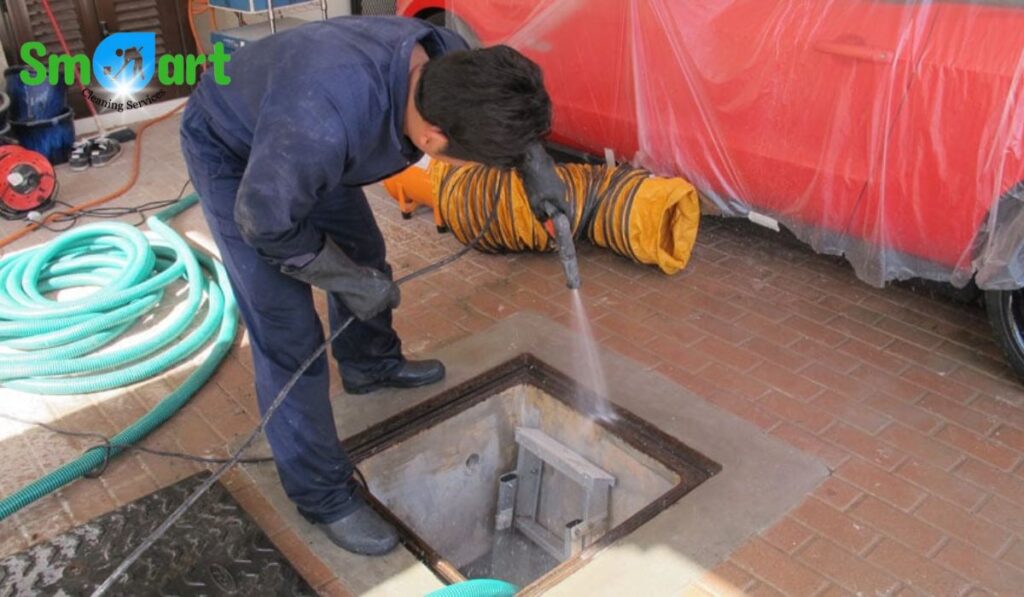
<point>854,51</point>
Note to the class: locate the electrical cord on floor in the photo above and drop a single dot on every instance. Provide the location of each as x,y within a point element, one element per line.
<point>278,400</point>
<point>71,218</point>
<point>71,215</point>
<point>105,443</point>
<point>133,177</point>
<point>110,447</point>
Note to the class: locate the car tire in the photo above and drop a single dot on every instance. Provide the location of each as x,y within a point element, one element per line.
<point>1006,314</point>
<point>443,18</point>
<point>439,18</point>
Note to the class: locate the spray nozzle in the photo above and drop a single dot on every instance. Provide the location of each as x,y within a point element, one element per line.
<point>566,248</point>
<point>543,189</point>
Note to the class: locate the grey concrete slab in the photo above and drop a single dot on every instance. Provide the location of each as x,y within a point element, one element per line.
<point>762,478</point>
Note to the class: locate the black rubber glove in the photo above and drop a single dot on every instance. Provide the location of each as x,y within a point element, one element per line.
<point>544,189</point>
<point>364,290</point>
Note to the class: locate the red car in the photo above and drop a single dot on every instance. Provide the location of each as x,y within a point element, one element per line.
<point>890,132</point>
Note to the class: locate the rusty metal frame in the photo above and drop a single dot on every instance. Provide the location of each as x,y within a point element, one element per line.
<point>692,467</point>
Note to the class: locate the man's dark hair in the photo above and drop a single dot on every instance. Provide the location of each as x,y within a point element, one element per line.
<point>490,104</point>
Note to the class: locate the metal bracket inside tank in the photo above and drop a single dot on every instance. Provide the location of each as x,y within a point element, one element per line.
<point>519,494</point>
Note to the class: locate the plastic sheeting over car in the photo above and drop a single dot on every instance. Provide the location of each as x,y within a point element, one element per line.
<point>888,131</point>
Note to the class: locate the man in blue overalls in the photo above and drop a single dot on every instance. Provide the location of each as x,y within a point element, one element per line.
<point>279,156</point>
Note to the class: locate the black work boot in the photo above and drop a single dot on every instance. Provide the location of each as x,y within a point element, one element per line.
<point>410,374</point>
<point>363,532</point>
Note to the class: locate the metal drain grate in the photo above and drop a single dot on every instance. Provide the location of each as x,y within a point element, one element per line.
<point>215,549</point>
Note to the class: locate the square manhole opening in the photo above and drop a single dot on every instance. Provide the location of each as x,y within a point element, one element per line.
<point>506,477</point>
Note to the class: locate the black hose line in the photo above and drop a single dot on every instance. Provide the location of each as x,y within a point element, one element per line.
<point>236,457</point>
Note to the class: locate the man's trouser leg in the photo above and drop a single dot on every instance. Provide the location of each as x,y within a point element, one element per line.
<point>367,350</point>
<point>284,330</point>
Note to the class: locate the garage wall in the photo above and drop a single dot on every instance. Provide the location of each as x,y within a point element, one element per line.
<point>227,19</point>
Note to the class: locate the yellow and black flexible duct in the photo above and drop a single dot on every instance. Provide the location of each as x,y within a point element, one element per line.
<point>648,219</point>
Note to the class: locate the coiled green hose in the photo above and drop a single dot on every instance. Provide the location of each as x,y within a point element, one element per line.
<point>47,347</point>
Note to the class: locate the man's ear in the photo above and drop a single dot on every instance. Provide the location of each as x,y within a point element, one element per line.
<point>434,140</point>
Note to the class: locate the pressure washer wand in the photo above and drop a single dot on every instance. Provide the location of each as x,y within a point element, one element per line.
<point>566,247</point>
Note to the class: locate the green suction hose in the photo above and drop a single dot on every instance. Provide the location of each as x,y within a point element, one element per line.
<point>479,587</point>
<point>48,347</point>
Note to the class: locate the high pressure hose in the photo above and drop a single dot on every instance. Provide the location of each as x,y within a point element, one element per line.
<point>117,255</point>
<point>486,223</point>
<point>67,347</point>
<point>48,345</point>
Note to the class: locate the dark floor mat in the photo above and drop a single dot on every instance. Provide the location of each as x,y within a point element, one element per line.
<point>215,549</point>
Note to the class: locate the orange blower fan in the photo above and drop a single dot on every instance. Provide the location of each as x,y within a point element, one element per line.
<point>27,182</point>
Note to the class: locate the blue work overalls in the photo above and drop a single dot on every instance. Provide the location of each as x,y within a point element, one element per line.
<point>278,157</point>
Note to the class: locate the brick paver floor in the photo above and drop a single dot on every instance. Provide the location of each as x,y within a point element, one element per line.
<point>904,396</point>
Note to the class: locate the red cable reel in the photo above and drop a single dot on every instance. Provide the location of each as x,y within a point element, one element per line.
<point>27,182</point>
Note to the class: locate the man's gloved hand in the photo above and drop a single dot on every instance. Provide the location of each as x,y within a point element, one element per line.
<point>364,290</point>
<point>544,189</point>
